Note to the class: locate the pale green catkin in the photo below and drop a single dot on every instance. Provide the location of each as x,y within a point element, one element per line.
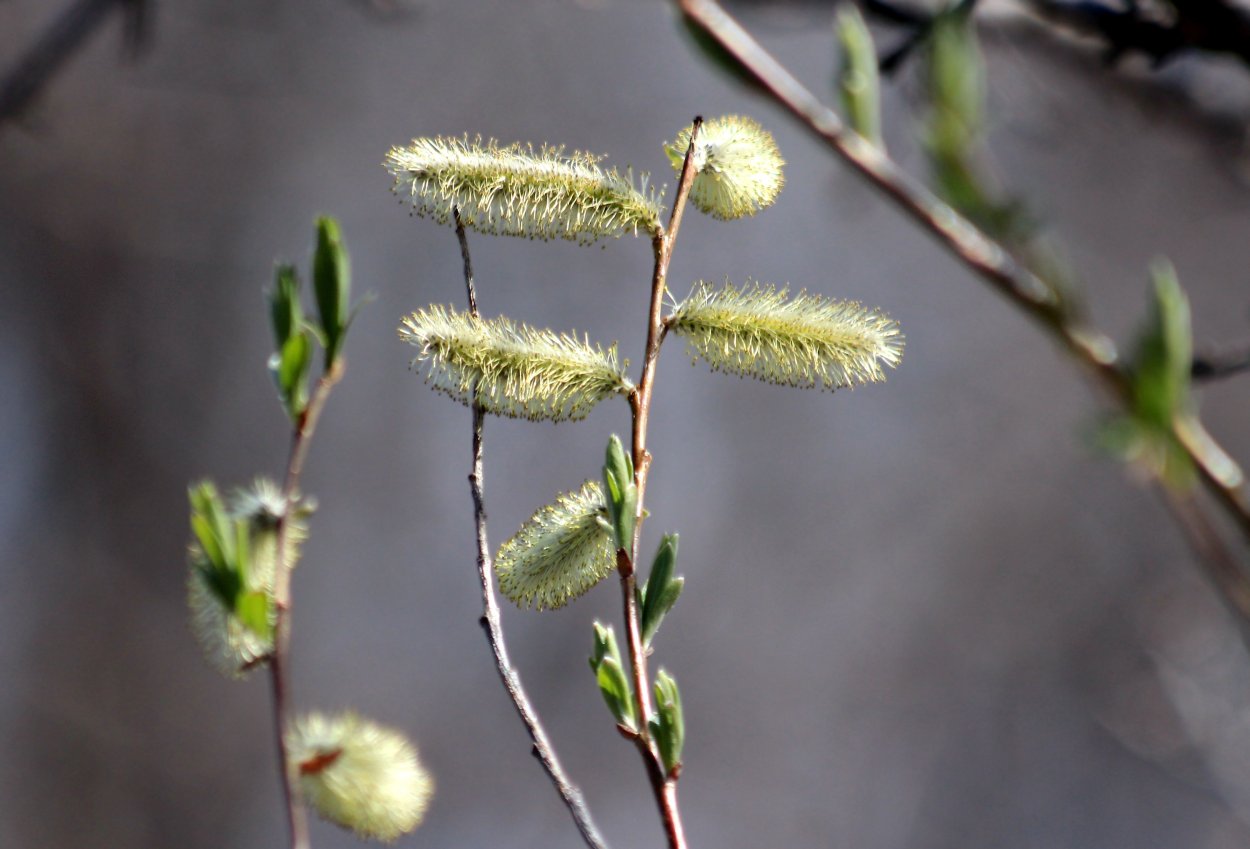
<point>806,340</point>
<point>358,774</point>
<point>560,553</point>
<point>512,369</point>
<point>738,169</point>
<point>515,190</point>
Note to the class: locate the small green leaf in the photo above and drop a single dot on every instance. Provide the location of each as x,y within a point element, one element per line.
<point>254,610</point>
<point>290,371</point>
<point>609,670</point>
<point>285,313</point>
<point>621,492</point>
<point>1159,385</point>
<point>1161,367</point>
<point>668,728</point>
<point>858,81</point>
<point>662,588</point>
<point>332,286</point>
<point>605,646</point>
<point>616,693</point>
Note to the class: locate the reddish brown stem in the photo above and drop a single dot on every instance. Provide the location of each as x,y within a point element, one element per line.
<point>297,818</point>
<point>664,786</point>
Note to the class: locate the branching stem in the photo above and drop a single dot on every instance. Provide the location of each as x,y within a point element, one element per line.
<point>663,785</point>
<point>490,620</point>
<point>1090,347</point>
<point>301,439</point>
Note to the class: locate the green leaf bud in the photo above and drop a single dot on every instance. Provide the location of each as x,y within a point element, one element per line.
<point>285,312</point>
<point>806,340</point>
<point>662,589</point>
<point>519,191</point>
<point>290,368</point>
<point>668,728</point>
<point>1159,383</point>
<point>332,281</point>
<point>560,553</point>
<point>512,369</point>
<point>621,491</point>
<point>858,80</point>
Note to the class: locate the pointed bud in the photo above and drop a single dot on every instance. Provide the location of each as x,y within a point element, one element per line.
<point>621,492</point>
<point>858,79</point>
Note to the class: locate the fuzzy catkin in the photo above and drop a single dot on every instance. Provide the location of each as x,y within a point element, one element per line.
<point>358,774</point>
<point>804,340</point>
<point>560,553</point>
<point>512,369</point>
<point>229,645</point>
<point>738,169</point>
<point>515,190</point>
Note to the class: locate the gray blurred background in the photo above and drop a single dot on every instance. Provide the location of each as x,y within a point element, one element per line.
<point>922,614</point>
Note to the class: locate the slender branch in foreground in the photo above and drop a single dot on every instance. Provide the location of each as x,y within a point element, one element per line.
<point>663,785</point>
<point>1092,348</point>
<point>297,818</point>
<point>490,619</point>
<point>22,83</point>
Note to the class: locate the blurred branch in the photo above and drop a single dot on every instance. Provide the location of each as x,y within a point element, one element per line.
<point>1216,365</point>
<point>1160,31</point>
<point>1221,568</point>
<point>491,623</point>
<point>301,439</point>
<point>23,82</point>
<point>987,258</point>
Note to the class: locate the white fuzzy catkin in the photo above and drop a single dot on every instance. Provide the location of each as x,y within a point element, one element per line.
<point>512,369</point>
<point>560,553</point>
<point>738,169</point>
<point>804,340</point>
<point>358,774</point>
<point>515,190</point>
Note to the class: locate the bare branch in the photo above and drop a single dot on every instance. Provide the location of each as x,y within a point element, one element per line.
<point>490,620</point>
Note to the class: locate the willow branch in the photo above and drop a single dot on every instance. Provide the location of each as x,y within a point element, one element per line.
<point>490,620</point>
<point>301,439</point>
<point>662,784</point>
<point>1089,346</point>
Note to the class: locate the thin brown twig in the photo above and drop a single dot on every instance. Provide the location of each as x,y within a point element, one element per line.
<point>664,785</point>
<point>1219,473</point>
<point>301,439</point>
<point>490,619</point>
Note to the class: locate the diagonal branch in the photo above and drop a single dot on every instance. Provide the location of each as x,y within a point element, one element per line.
<point>21,84</point>
<point>1093,349</point>
<point>491,623</point>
